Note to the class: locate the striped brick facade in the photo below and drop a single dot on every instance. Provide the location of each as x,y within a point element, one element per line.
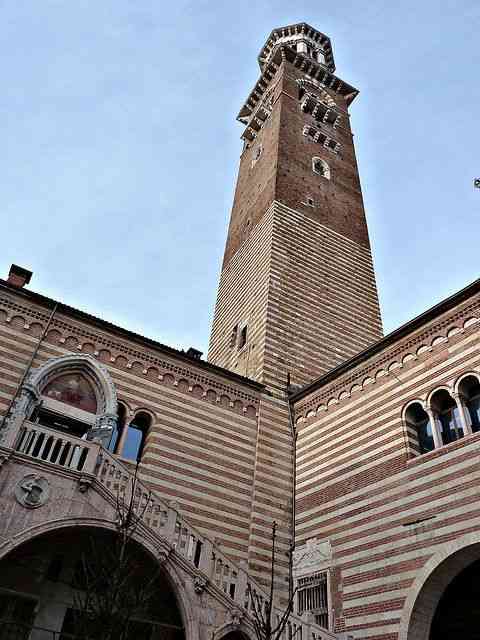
<point>297,269</point>
<point>232,446</point>
<point>201,449</point>
<point>361,483</point>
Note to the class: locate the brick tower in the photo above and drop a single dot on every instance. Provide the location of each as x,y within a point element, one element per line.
<point>297,291</point>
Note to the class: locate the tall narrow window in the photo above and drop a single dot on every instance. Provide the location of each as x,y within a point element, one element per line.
<point>257,152</point>
<point>418,423</point>
<point>242,338</point>
<point>445,408</point>
<point>234,336</point>
<point>137,431</point>
<point>469,391</point>
<point>313,597</point>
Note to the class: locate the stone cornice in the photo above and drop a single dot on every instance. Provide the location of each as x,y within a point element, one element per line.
<point>141,355</point>
<point>301,29</point>
<point>311,68</point>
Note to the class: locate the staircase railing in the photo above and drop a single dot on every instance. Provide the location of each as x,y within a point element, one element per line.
<point>165,519</point>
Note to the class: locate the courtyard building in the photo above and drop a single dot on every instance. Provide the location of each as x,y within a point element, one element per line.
<point>362,448</point>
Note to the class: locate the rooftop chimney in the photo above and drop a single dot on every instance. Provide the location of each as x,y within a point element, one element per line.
<point>18,276</point>
<point>194,353</point>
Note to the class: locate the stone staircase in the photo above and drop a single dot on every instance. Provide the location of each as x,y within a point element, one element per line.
<point>210,568</point>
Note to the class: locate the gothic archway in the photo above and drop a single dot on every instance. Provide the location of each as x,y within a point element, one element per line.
<point>41,579</point>
<point>438,601</point>
<point>76,387</point>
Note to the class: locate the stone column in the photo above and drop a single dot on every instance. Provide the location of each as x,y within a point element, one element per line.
<point>465,421</point>
<point>436,429</point>
<point>22,409</point>
<point>123,436</point>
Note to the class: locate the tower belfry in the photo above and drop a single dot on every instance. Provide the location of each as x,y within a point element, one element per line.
<point>297,291</point>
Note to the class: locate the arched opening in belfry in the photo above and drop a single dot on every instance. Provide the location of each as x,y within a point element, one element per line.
<point>81,583</point>
<point>446,606</point>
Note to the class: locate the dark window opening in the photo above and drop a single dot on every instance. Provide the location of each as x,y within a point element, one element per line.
<point>233,337</point>
<point>417,419</point>
<point>136,437</point>
<point>469,391</point>
<point>65,424</point>
<point>118,429</point>
<point>55,567</point>
<point>242,340</point>
<point>446,410</point>
<point>198,553</point>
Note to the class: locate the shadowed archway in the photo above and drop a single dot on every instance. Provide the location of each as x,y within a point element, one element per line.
<point>43,583</point>
<point>442,602</point>
<point>458,613</point>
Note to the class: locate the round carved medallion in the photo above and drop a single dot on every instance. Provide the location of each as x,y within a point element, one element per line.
<point>32,491</point>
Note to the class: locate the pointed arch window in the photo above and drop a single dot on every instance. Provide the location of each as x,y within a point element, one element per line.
<point>73,394</point>
<point>68,404</point>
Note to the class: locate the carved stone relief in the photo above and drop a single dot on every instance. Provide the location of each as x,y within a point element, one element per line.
<point>315,555</point>
<point>32,491</point>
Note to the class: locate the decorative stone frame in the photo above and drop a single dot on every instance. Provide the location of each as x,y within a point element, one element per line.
<point>30,394</point>
<point>326,168</point>
<point>466,374</point>
<point>257,154</point>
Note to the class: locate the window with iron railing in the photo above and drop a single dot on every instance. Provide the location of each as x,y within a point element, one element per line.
<point>312,597</point>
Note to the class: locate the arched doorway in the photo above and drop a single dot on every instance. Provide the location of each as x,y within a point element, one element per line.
<point>72,584</point>
<point>458,613</point>
<point>443,601</point>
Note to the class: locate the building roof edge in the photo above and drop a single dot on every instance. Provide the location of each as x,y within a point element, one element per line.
<point>410,326</point>
<point>129,335</point>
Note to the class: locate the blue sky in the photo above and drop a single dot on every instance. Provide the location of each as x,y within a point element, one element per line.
<point>120,147</point>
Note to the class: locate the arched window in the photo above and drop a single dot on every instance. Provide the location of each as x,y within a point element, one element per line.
<point>321,167</point>
<point>446,410</point>
<point>68,404</point>
<point>73,394</point>
<point>135,437</point>
<point>418,422</point>
<point>469,392</point>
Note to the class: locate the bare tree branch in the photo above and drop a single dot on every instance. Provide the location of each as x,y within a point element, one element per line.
<point>262,610</point>
<point>113,584</point>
